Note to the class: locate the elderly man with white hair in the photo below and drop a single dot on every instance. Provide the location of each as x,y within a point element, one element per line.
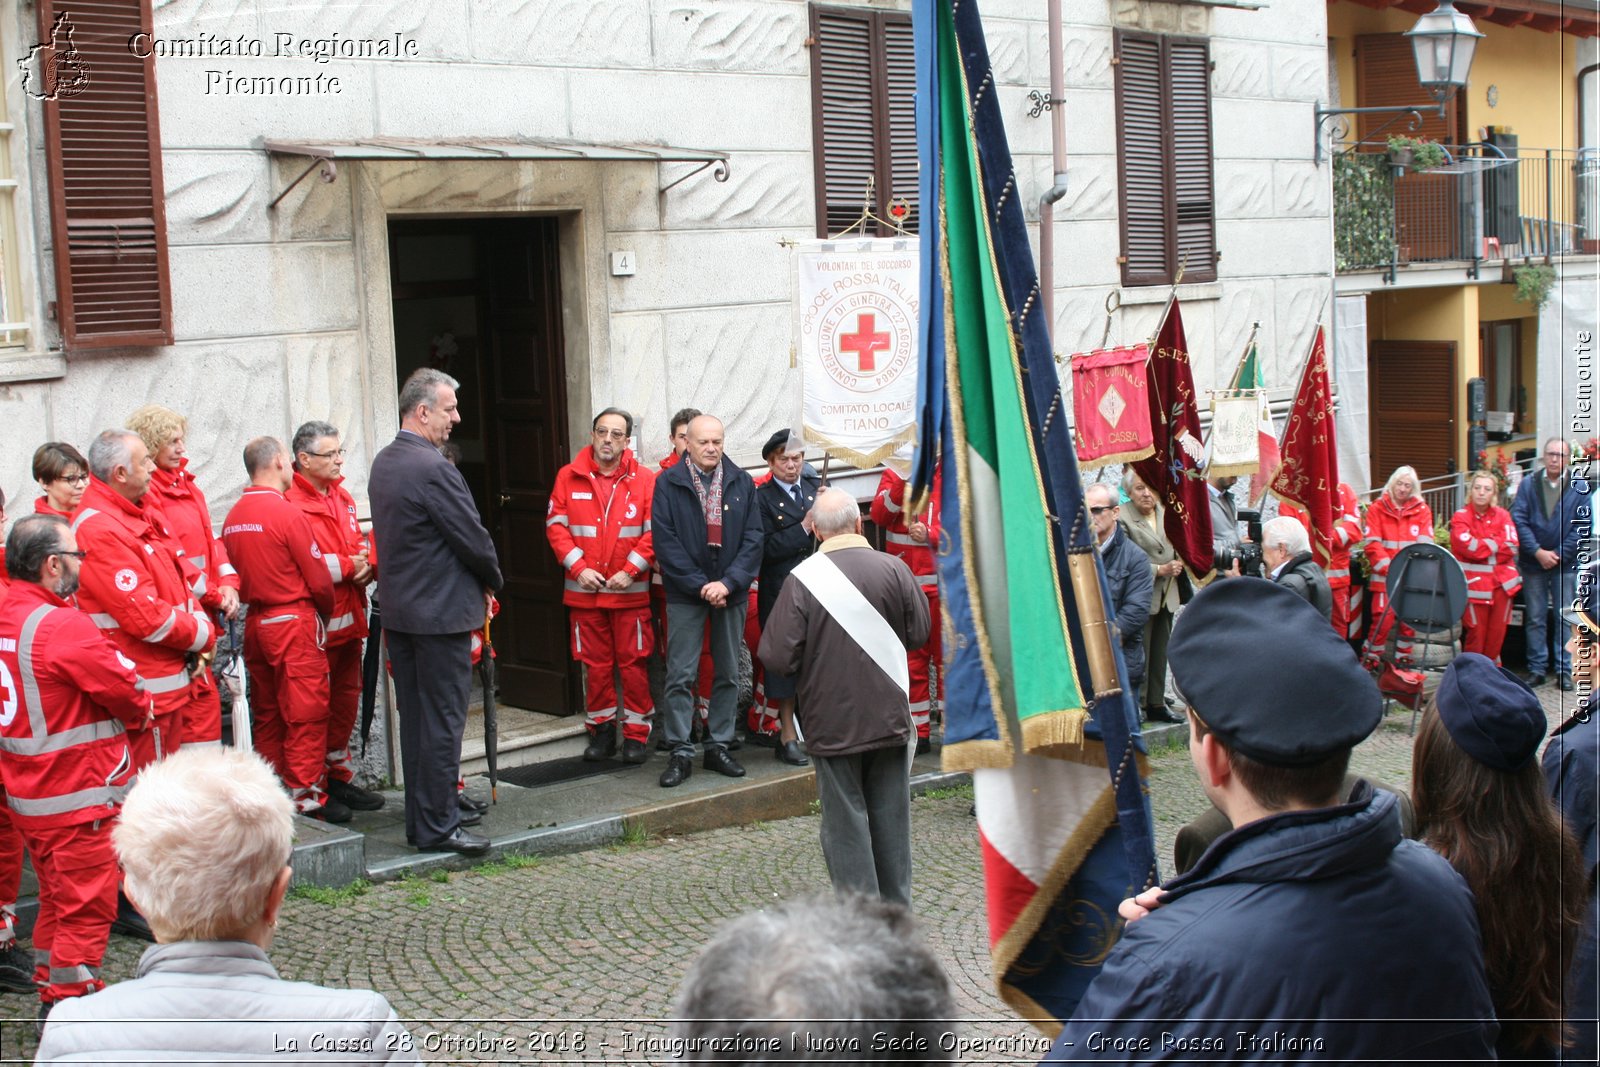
<point>843,623</point>
<point>204,840</point>
<point>1286,551</point>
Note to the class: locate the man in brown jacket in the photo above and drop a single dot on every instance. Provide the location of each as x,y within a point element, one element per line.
<point>843,623</point>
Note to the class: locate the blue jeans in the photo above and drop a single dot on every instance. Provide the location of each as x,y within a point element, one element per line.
<point>1538,585</point>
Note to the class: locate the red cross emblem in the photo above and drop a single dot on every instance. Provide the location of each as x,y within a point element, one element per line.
<point>864,342</point>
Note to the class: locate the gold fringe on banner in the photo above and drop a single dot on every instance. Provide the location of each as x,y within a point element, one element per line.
<point>846,454</point>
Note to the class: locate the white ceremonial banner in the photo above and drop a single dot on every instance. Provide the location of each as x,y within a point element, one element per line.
<point>855,311</point>
<point>1235,442</point>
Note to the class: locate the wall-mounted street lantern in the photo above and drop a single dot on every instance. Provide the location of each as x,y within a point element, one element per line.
<point>1443,41</point>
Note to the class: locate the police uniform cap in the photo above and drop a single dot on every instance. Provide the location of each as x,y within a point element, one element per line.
<point>1489,713</point>
<point>1584,610</point>
<point>778,442</point>
<point>1268,676</point>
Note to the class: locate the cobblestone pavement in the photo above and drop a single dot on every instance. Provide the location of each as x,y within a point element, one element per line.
<point>589,948</point>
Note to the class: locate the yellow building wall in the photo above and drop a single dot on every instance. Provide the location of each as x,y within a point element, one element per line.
<point>1535,75</point>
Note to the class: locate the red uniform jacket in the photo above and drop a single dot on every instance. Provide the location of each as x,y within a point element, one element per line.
<point>1346,534</point>
<point>188,522</point>
<point>279,562</point>
<point>888,511</point>
<point>135,585</point>
<point>1392,529</point>
<point>65,695</point>
<point>602,523</point>
<point>333,523</point>
<point>41,506</point>
<point>1486,547</point>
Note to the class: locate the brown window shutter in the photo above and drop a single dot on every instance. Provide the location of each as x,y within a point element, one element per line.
<point>1414,406</point>
<point>1141,157</point>
<point>1386,76</point>
<point>1193,200</point>
<point>108,216</point>
<point>863,80</point>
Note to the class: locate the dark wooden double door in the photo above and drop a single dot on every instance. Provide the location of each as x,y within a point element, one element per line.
<point>480,299</point>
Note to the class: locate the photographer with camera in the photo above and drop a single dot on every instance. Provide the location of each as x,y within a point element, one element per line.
<point>1127,573</point>
<point>1286,551</point>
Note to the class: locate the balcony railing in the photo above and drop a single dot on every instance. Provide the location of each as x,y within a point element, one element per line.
<point>1482,205</point>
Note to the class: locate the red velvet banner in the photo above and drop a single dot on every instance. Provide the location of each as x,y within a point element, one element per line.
<point>1309,477</point>
<point>1175,470</point>
<point>1111,405</point>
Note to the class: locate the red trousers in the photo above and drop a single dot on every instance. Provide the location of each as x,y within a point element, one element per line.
<point>202,716</point>
<point>10,874</point>
<point>344,704</point>
<point>608,642</point>
<point>78,877</point>
<point>1341,612</point>
<point>922,662</point>
<point>162,739</point>
<point>1485,625</point>
<point>289,695</point>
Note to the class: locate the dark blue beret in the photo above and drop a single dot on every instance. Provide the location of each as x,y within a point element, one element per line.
<point>1263,669</point>
<point>1585,610</point>
<point>1490,714</point>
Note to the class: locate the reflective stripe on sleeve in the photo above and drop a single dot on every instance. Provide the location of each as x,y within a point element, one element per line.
<point>170,683</point>
<point>638,561</point>
<point>334,570</point>
<point>203,636</point>
<point>890,505</point>
<point>227,571</point>
<point>897,538</point>
<point>556,520</point>
<point>341,622</point>
<point>571,557</point>
<point>159,634</point>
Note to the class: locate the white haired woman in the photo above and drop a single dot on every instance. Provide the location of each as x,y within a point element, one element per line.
<point>1399,517</point>
<point>204,839</point>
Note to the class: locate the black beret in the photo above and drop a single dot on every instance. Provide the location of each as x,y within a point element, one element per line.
<point>1490,714</point>
<point>1584,611</point>
<point>1263,669</point>
<point>778,442</point>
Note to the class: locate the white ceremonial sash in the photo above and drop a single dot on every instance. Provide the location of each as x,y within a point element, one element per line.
<point>858,618</point>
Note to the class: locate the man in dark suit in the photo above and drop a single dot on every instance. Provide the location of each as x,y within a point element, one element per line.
<point>707,534</point>
<point>785,500</point>
<point>438,568</point>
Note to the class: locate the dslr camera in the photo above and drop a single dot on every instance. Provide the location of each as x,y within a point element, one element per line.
<point>1248,553</point>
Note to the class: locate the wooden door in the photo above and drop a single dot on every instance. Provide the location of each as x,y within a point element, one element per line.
<point>1413,406</point>
<point>525,444</point>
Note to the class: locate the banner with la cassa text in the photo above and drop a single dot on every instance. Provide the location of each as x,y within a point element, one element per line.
<point>855,315</point>
<point>1111,405</point>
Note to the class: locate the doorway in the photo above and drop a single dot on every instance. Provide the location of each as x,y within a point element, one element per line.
<point>480,300</point>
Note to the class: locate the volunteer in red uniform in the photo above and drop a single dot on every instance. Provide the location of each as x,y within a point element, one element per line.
<point>913,539</point>
<point>1484,539</point>
<point>1399,517</point>
<point>286,583</point>
<point>62,474</point>
<point>1346,535</point>
<point>183,508</point>
<point>599,528</point>
<point>318,491</point>
<point>136,587</point>
<point>70,700</point>
<point>16,962</point>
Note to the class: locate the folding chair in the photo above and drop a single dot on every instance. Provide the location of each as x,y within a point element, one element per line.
<point>1428,593</point>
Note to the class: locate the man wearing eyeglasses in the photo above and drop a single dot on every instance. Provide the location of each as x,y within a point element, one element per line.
<point>1128,575</point>
<point>1552,521</point>
<point>598,526</point>
<point>70,700</point>
<point>318,491</point>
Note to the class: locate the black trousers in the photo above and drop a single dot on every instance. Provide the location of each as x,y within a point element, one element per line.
<point>432,682</point>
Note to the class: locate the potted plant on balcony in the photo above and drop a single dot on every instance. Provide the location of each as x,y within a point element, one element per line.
<point>1418,154</point>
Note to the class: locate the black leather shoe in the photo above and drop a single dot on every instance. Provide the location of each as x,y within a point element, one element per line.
<point>1161,714</point>
<point>924,746</point>
<point>469,818</point>
<point>678,770</point>
<point>1564,682</point>
<point>717,759</point>
<point>466,803</point>
<point>354,797</point>
<point>16,970</point>
<point>1535,681</point>
<point>331,811</point>
<point>789,752</point>
<point>602,743</point>
<point>760,740</point>
<point>462,841</point>
<point>634,751</point>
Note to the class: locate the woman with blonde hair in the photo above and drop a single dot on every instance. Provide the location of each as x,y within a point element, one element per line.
<point>1481,803</point>
<point>1399,517</point>
<point>1483,538</point>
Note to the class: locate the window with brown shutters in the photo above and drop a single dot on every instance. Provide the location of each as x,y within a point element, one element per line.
<point>1163,87</point>
<point>864,128</point>
<point>107,215</point>
<point>1413,417</point>
<point>1386,76</point>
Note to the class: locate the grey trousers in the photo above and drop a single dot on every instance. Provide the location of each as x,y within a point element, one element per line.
<point>686,627</point>
<point>866,820</point>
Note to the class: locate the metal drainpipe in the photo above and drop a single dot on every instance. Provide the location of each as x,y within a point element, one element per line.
<point>1058,145</point>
